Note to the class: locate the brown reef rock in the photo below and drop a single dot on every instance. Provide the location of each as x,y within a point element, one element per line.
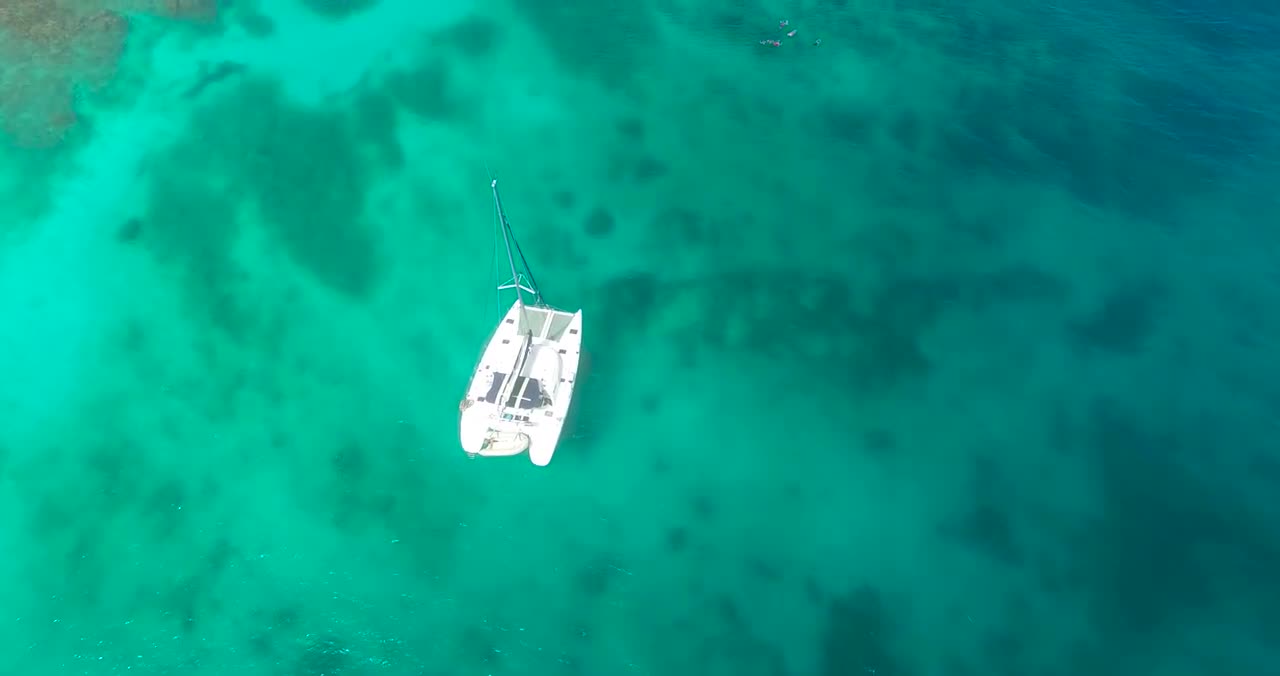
<point>52,50</point>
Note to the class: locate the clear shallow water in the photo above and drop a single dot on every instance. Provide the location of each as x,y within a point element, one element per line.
<point>944,347</point>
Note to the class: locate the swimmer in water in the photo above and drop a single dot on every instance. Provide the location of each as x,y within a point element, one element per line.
<point>771,43</point>
<point>817,42</point>
<point>783,24</point>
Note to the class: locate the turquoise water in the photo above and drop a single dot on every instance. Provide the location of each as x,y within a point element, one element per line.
<point>946,346</point>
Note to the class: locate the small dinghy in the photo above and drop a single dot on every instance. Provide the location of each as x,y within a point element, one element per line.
<point>521,389</point>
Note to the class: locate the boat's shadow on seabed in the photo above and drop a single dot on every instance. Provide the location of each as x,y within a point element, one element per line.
<point>575,430</point>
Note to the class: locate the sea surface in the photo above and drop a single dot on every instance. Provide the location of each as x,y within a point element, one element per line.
<point>940,338</point>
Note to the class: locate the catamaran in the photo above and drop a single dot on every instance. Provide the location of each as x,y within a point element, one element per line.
<point>520,392</point>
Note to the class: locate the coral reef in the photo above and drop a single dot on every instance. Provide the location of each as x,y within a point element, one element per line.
<point>52,50</point>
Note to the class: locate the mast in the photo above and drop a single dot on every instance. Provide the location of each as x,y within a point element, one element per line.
<point>509,239</point>
<point>506,240</point>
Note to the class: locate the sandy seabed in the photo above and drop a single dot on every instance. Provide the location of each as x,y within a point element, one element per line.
<point>941,347</point>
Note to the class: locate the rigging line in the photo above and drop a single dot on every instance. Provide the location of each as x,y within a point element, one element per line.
<point>537,292</point>
<point>507,238</point>
<point>536,289</point>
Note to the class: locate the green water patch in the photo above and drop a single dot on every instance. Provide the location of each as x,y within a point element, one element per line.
<point>860,637</point>
<point>377,117</point>
<point>251,155</point>
<point>339,9</point>
<point>118,489</point>
<point>192,226</point>
<point>603,40</point>
<point>25,180</point>
<point>989,524</point>
<point>1123,320</point>
<point>475,37</point>
<point>1167,530</point>
<point>372,485</point>
<point>427,90</point>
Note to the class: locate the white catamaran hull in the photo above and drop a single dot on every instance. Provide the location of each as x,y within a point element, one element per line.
<point>521,390</point>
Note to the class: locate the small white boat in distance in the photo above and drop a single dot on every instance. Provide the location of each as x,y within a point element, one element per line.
<point>520,393</point>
